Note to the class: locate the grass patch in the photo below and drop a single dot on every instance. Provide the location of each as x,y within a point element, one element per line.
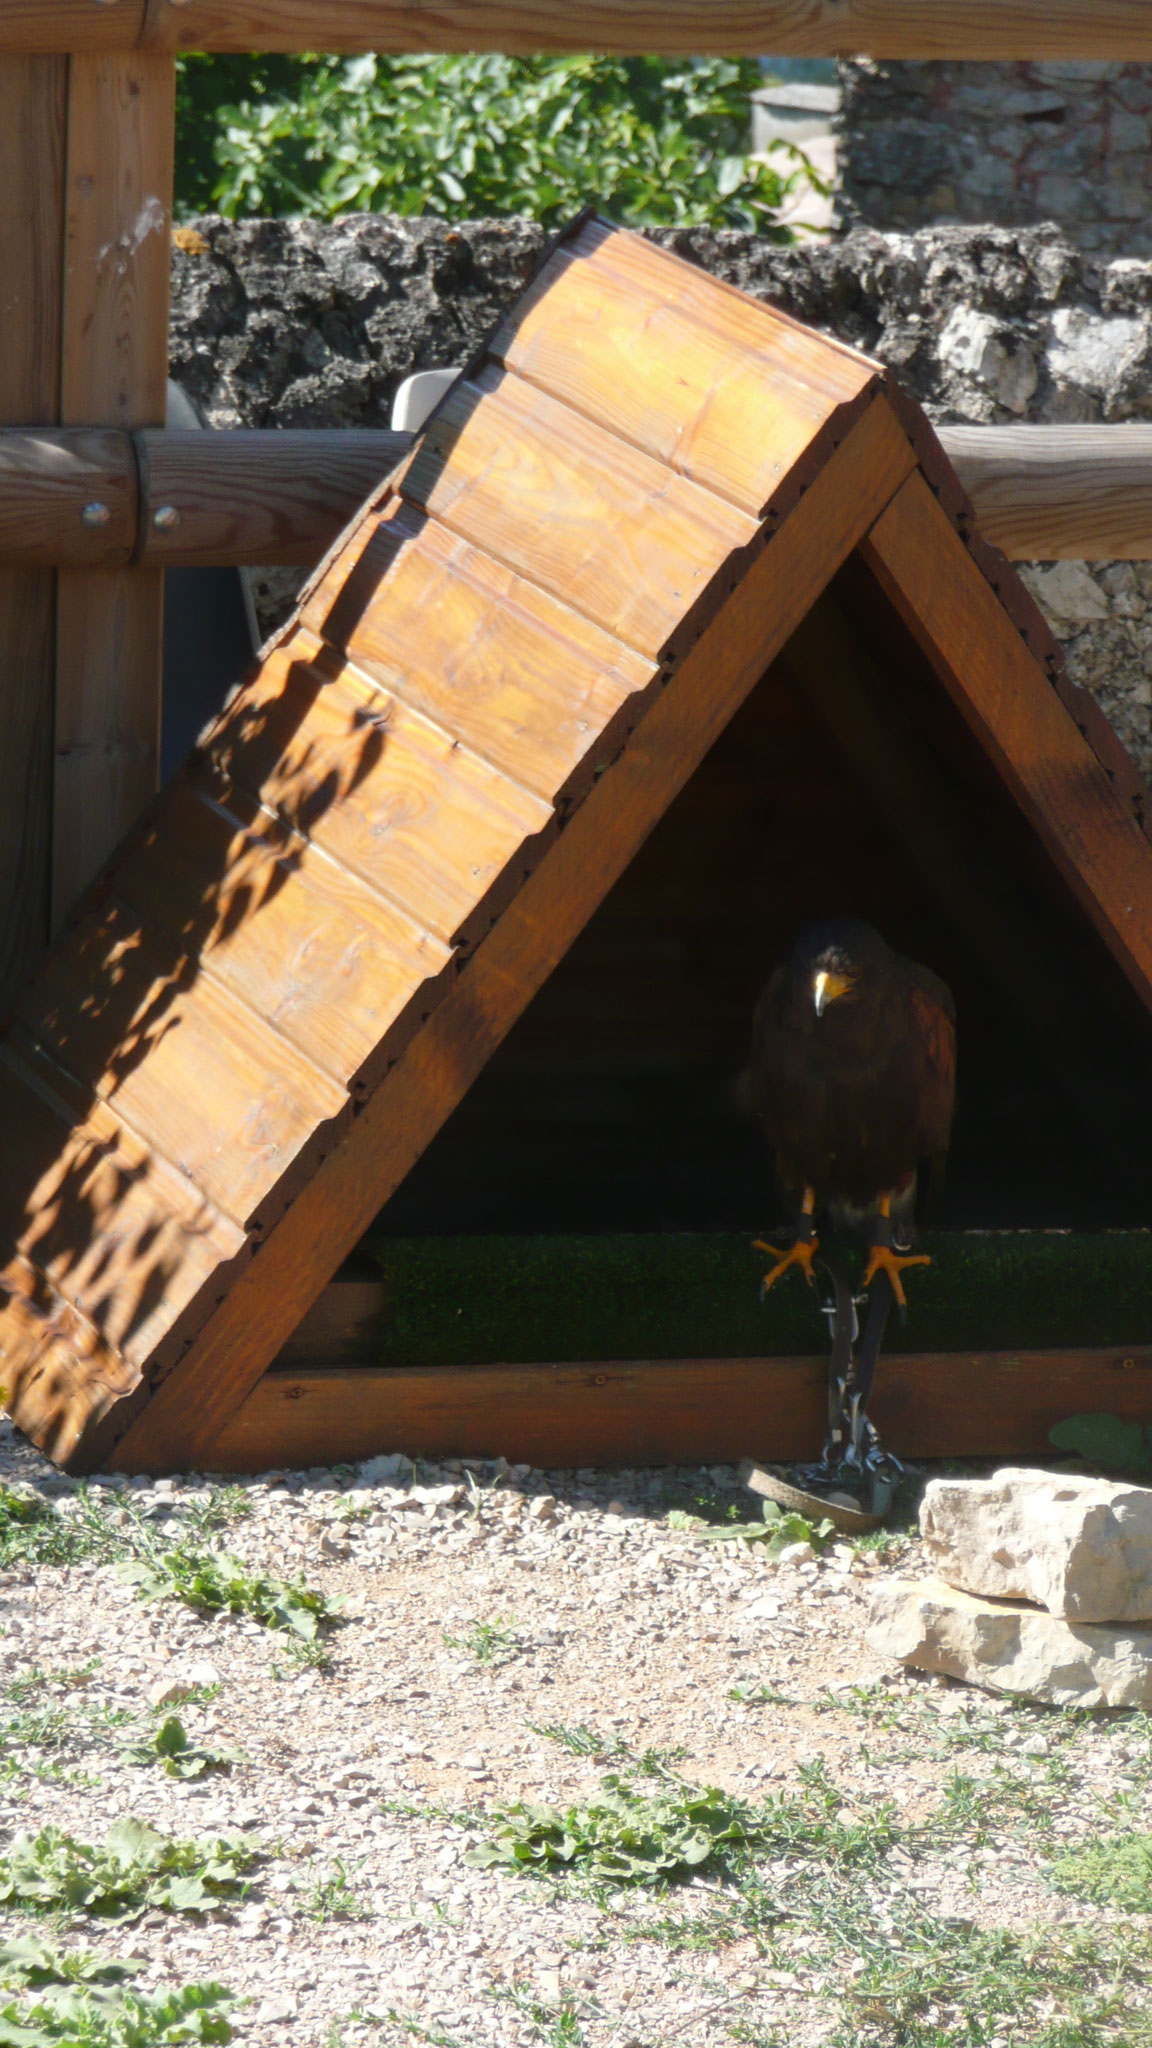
<point>136,1868</point>
<point>490,1642</point>
<point>334,1897</point>
<point>1116,1872</point>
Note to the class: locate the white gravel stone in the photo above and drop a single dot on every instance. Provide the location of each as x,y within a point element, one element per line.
<point>1010,1647</point>
<point>1080,1547</point>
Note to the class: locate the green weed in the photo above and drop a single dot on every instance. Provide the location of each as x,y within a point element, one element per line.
<point>555,2025</point>
<point>136,1868</point>
<point>85,2000</point>
<point>489,1642</point>
<point>214,1582</point>
<point>169,1747</point>
<point>1116,1872</point>
<point>581,1740</point>
<point>334,1897</point>
<point>776,1529</point>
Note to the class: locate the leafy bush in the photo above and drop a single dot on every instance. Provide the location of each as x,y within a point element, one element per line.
<point>466,137</point>
<point>136,1868</point>
<point>83,2000</point>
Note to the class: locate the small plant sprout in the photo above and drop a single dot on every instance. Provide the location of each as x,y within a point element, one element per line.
<point>490,1642</point>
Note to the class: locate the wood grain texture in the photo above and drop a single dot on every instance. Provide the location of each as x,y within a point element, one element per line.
<point>258,497</point>
<point>331,1212</point>
<point>524,680</point>
<point>378,786</point>
<point>1012,707</point>
<point>597,523</point>
<point>114,368</point>
<point>1081,493</point>
<point>33,118</point>
<point>201,1078</point>
<point>806,28</point>
<point>672,1411</point>
<point>47,478</point>
<point>720,389</point>
<point>309,946</point>
<point>56,1373</point>
<point>263,496</point>
<point>123,1236</point>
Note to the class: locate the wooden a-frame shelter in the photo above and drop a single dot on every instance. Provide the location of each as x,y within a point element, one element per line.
<point>495,686</point>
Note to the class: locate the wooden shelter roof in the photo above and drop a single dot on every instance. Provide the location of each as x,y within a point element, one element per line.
<point>494,686</point>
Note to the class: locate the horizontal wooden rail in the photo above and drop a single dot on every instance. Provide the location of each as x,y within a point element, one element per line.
<point>81,497</point>
<point>1115,29</point>
<point>1048,493</point>
<point>72,497</point>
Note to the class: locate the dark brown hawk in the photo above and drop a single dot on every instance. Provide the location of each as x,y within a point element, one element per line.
<point>853,1076</point>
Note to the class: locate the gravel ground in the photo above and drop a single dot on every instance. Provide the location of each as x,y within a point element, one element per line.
<point>905,1888</point>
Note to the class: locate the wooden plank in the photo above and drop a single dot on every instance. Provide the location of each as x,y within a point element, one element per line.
<point>1011,706</point>
<point>305,944</point>
<point>56,1373</point>
<point>47,480</point>
<point>801,28</point>
<point>193,1071</point>
<point>718,388</point>
<point>121,129</point>
<point>199,1395</point>
<point>267,496</point>
<point>260,496</point>
<point>524,680</point>
<point>600,525</point>
<point>126,1240</point>
<point>33,115</point>
<point>1081,493</point>
<point>695,1411</point>
<point>391,796</point>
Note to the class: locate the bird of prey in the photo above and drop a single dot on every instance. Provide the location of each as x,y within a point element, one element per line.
<point>852,1074</point>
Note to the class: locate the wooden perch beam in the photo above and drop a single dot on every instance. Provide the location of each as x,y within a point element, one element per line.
<point>267,497</point>
<point>806,28</point>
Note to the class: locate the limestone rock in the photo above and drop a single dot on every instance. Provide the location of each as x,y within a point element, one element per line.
<point>1080,1547</point>
<point>1007,1647</point>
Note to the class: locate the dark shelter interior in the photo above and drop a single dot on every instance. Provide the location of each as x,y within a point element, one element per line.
<point>848,782</point>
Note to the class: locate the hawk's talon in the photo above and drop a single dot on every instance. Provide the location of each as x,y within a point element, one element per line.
<point>802,1254</point>
<point>882,1259</point>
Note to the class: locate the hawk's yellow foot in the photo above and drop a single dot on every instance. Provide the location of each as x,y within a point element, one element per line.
<point>882,1259</point>
<point>802,1254</point>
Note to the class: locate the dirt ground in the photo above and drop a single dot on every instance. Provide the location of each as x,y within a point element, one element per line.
<point>908,1861</point>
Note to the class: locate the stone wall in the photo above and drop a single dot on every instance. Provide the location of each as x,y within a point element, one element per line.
<point>279,324</point>
<point>1011,144</point>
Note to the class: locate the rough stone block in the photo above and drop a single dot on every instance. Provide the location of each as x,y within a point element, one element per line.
<point>1080,1547</point>
<point>1010,1648</point>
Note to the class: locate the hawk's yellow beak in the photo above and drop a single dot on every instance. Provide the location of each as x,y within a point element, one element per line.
<point>827,987</point>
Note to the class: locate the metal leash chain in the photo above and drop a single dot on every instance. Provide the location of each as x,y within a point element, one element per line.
<point>853,1457</point>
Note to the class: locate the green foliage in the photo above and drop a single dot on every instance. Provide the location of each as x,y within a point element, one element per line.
<point>84,2000</point>
<point>1116,1872</point>
<point>335,1897</point>
<point>624,1836</point>
<point>169,1747</point>
<point>777,1528</point>
<point>490,1642</point>
<point>213,1582</point>
<point>1106,1441</point>
<point>136,1868</point>
<point>477,136</point>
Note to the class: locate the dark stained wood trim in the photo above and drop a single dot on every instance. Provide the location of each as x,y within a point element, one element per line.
<point>671,1411</point>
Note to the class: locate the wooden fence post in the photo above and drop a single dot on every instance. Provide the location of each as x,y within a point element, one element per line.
<point>113,372</point>
<point>33,104</point>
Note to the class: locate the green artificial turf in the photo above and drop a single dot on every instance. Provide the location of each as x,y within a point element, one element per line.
<point>491,1300</point>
